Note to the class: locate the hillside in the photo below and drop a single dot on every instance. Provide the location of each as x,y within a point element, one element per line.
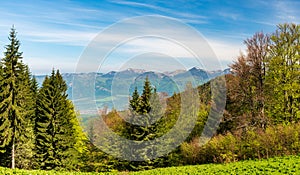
<point>115,85</point>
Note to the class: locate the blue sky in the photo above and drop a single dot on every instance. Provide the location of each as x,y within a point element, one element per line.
<point>55,33</point>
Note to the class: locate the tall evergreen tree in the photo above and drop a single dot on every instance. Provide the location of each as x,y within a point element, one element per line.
<point>15,124</point>
<point>145,106</point>
<point>140,108</point>
<point>135,101</point>
<point>142,125</point>
<point>57,129</point>
<point>25,142</point>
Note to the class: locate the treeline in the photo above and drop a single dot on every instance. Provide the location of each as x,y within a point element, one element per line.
<point>261,117</point>
<point>148,118</point>
<point>38,126</point>
<point>262,114</point>
<point>264,88</point>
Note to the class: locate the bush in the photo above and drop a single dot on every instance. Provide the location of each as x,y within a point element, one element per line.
<point>254,144</point>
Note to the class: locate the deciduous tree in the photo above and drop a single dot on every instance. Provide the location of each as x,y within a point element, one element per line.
<point>283,74</point>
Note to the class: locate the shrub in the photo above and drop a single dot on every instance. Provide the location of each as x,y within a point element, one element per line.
<point>254,144</point>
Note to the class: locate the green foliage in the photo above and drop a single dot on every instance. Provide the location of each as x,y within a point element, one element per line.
<point>283,75</point>
<point>142,125</point>
<point>25,143</point>
<point>163,121</point>
<point>16,107</point>
<point>145,106</point>
<point>95,160</point>
<point>40,126</point>
<point>280,165</point>
<point>8,171</point>
<point>135,101</point>
<point>59,139</point>
<point>265,84</point>
<point>254,144</point>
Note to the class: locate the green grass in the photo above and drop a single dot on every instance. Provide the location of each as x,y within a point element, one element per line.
<point>7,171</point>
<point>280,165</point>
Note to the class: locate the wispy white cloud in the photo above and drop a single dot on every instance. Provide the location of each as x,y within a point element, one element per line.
<point>184,16</point>
<point>211,52</point>
<point>78,38</point>
<point>287,11</point>
<point>139,4</point>
<point>263,22</point>
<point>230,15</point>
<point>68,27</point>
<point>193,21</point>
<point>31,32</point>
<point>274,12</point>
<point>72,23</point>
<point>42,64</point>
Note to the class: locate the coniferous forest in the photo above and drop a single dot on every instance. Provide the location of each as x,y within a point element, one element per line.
<point>41,130</point>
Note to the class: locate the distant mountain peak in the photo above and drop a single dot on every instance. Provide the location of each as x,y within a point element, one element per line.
<point>196,69</point>
<point>111,72</point>
<point>173,73</point>
<point>135,70</point>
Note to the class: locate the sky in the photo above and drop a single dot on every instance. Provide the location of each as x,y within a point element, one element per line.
<point>56,33</point>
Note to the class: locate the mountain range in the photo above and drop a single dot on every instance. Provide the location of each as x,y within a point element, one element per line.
<point>113,89</point>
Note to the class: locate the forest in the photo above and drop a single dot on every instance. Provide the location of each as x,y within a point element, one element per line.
<point>41,130</point>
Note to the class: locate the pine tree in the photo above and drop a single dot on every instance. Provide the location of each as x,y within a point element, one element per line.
<point>134,102</point>
<point>142,125</point>
<point>145,106</point>
<point>141,108</point>
<point>25,142</point>
<point>58,135</point>
<point>42,120</point>
<point>15,124</point>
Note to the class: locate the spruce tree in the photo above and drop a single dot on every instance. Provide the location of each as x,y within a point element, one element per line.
<point>142,125</point>
<point>134,102</point>
<point>25,142</point>
<point>140,109</point>
<point>15,124</point>
<point>57,129</point>
<point>145,106</point>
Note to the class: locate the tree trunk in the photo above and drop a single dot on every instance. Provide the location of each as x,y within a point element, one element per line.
<point>13,155</point>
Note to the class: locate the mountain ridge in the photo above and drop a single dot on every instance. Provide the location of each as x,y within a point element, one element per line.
<point>119,85</point>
